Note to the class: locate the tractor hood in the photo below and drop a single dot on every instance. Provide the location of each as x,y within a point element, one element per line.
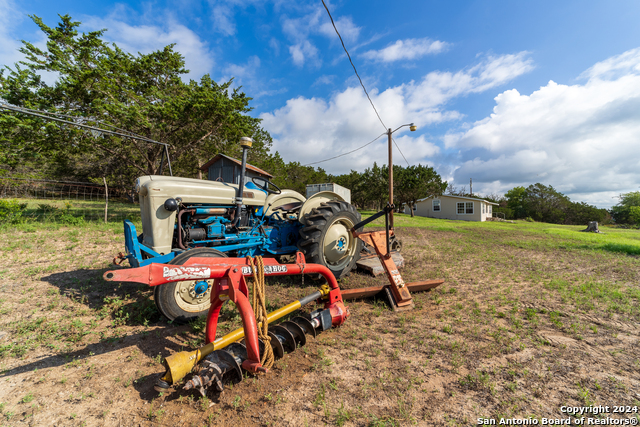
<point>158,223</point>
<point>195,191</point>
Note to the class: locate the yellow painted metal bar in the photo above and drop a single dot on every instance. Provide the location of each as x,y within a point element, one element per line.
<point>180,364</point>
<point>238,334</point>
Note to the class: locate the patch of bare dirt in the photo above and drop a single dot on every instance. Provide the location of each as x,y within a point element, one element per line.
<point>509,334</point>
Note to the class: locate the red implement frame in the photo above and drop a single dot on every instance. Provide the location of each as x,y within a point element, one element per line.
<point>399,291</point>
<point>229,284</point>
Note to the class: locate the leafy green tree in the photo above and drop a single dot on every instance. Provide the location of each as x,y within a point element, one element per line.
<point>582,213</point>
<point>414,183</point>
<point>516,202</point>
<point>354,181</point>
<point>99,83</point>
<point>376,184</point>
<point>543,203</point>
<point>627,211</point>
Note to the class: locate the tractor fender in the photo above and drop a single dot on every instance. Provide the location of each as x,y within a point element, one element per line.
<point>316,200</point>
<point>286,196</point>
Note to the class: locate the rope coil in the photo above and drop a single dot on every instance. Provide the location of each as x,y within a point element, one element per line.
<point>259,304</point>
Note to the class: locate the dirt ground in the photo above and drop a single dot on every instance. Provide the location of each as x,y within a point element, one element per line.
<point>519,329</point>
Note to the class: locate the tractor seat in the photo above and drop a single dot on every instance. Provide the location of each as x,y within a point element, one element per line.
<point>289,207</point>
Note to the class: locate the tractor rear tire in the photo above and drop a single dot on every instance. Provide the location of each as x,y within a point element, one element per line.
<point>326,237</point>
<point>177,301</point>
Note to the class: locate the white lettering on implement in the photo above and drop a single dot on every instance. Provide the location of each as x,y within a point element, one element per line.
<point>268,269</point>
<point>186,273</point>
<point>398,280</point>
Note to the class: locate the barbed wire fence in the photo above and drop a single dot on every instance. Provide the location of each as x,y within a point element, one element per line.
<point>79,199</point>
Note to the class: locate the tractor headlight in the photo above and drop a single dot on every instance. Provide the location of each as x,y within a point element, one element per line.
<point>137,187</point>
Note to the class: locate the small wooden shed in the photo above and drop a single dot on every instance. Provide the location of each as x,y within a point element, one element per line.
<point>227,169</point>
<point>453,207</point>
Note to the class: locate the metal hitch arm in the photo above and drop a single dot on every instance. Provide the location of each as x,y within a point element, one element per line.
<point>229,284</point>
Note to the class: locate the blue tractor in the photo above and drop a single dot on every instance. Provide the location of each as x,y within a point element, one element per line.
<point>184,218</point>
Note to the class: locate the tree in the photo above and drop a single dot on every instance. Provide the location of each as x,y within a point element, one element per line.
<point>414,183</point>
<point>583,213</point>
<point>376,184</point>
<point>354,181</point>
<point>144,93</point>
<point>543,203</point>
<point>516,202</point>
<point>627,211</point>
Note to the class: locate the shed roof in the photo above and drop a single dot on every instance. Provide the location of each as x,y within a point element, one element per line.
<point>460,197</point>
<point>238,162</point>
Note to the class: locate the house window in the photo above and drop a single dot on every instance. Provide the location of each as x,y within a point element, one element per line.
<point>460,208</point>
<point>436,205</point>
<point>415,207</point>
<point>489,209</point>
<point>469,207</point>
<point>484,208</point>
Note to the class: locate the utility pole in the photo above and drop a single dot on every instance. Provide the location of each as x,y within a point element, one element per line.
<point>471,186</point>
<point>412,127</point>
<point>390,178</point>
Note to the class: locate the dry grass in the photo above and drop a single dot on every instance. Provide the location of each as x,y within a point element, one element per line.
<point>531,317</point>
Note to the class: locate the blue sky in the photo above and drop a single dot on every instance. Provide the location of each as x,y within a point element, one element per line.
<point>507,93</point>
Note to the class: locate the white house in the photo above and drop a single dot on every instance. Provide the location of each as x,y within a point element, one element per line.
<point>453,207</point>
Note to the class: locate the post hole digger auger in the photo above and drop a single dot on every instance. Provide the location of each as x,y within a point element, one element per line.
<point>229,283</point>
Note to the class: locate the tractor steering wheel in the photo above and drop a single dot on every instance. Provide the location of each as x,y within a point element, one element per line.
<point>266,184</point>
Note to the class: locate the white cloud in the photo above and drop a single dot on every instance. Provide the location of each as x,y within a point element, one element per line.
<point>406,50</point>
<point>147,38</point>
<point>304,52</point>
<point>247,71</point>
<point>223,13</point>
<point>300,31</point>
<point>248,76</point>
<point>10,16</point>
<point>308,130</point>
<point>437,88</point>
<point>347,29</point>
<point>582,139</point>
<point>324,80</point>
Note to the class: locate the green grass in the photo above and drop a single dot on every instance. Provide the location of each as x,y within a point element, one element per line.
<point>49,210</point>
<point>522,234</point>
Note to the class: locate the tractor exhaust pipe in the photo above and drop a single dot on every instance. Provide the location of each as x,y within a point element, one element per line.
<point>245,142</point>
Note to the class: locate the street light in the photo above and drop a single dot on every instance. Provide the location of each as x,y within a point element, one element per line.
<point>412,127</point>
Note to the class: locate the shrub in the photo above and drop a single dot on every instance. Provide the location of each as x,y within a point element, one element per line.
<point>11,211</point>
<point>61,216</point>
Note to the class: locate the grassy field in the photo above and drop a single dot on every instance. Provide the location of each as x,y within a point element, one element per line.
<point>531,317</point>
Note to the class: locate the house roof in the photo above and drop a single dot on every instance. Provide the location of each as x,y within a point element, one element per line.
<point>238,162</point>
<point>460,197</point>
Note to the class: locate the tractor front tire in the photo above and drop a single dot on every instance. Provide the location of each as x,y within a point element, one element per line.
<point>326,237</point>
<point>177,301</point>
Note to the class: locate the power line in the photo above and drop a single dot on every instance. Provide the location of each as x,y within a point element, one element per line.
<point>56,117</point>
<point>52,116</point>
<point>344,154</point>
<point>363,88</point>
<point>354,67</point>
<point>398,147</point>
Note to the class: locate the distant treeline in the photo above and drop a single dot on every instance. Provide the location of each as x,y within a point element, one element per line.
<point>369,189</point>
<point>544,203</point>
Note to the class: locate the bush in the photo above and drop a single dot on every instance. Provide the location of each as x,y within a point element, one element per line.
<point>11,211</point>
<point>61,216</point>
